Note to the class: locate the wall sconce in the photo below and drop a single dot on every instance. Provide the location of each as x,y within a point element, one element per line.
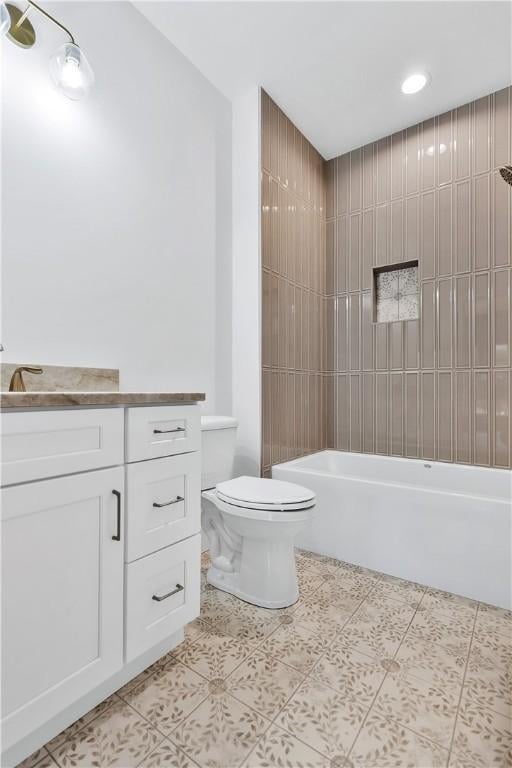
<point>69,68</point>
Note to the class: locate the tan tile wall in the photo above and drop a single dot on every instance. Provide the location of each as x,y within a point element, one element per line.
<point>293,256</point>
<point>440,387</point>
<point>437,388</point>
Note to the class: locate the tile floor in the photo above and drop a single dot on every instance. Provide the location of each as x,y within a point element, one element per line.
<point>365,670</point>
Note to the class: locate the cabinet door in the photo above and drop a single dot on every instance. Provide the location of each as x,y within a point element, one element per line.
<point>62,594</point>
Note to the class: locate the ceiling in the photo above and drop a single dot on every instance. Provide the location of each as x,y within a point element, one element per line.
<point>336,68</point>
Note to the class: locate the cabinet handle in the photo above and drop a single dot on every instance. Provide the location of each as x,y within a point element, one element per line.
<point>167,431</point>
<point>117,537</point>
<point>168,503</point>
<point>159,598</point>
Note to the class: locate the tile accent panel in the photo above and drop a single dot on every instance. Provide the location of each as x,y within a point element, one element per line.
<point>437,388</point>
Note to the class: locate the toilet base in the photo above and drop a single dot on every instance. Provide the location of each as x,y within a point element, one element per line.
<point>229,582</point>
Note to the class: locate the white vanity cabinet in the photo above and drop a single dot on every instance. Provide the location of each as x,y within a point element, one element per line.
<point>100,553</point>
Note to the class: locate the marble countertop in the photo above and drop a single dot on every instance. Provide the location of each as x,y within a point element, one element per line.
<point>109,399</point>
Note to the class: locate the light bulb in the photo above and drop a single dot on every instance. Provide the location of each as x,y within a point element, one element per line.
<point>71,72</point>
<point>414,83</point>
<point>5,19</point>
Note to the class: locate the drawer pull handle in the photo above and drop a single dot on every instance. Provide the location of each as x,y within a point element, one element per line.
<point>159,598</point>
<point>117,537</point>
<point>168,503</point>
<point>167,431</point>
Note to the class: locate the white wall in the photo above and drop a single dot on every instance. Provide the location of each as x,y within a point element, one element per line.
<point>247,281</point>
<point>117,210</point>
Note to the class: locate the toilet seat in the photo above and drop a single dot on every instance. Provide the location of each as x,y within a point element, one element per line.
<point>256,493</point>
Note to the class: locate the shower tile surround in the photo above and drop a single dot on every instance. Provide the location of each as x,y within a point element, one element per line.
<point>438,387</point>
<point>364,670</point>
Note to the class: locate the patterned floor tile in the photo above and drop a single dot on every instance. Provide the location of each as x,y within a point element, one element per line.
<point>295,645</point>
<point>221,732</point>
<point>81,723</point>
<point>309,582</point>
<point>326,720</point>
<point>214,655</point>
<point>489,652</point>
<point>377,610</point>
<point>380,640</point>
<point>166,755</point>
<point>428,710</point>
<point>398,589</point>
<point>118,737</point>
<point>321,617</point>
<point>482,738</point>
<point>488,689</point>
<point>350,672</point>
<point>445,602</point>
<point>248,623</point>
<point>386,744</point>
<point>494,620</point>
<point>434,663</point>
<point>168,696</point>
<point>264,683</point>
<point>438,627</point>
<point>279,749</point>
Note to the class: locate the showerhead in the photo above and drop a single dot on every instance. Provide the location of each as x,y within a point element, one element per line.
<point>506,174</point>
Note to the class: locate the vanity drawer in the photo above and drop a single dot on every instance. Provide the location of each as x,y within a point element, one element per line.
<point>41,444</point>
<point>163,503</point>
<point>162,595</point>
<point>158,431</point>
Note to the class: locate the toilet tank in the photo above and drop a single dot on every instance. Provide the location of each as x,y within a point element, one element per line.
<point>218,441</point>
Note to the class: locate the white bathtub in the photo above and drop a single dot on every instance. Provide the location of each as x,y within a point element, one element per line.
<point>444,525</point>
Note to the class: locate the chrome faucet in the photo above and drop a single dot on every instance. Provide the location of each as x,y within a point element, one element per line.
<point>17,384</point>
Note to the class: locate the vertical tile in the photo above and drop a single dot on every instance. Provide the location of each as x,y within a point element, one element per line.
<point>428,325</point>
<point>298,327</point>
<point>382,153</point>
<point>396,400</point>
<point>502,436</point>
<point>412,153</point>
<point>282,148</point>
<point>342,255</point>
<point>367,331</point>
<point>412,402</point>
<point>266,311</point>
<point>265,222</point>
<point>342,333</point>
<point>273,122</point>
<point>267,418</point>
<point>444,416</point>
<point>276,421</point>
<point>444,323</point>
<point>502,327</point>
<point>265,131</point>
<point>412,344</point>
<point>462,141</point>
<point>330,189</point>
<point>428,154</point>
<point>396,332</point>
<point>481,291</point>
<point>381,346</point>
<point>343,422</point>
<point>381,234</point>
<point>463,416</point>
<point>445,146</point>
<point>412,228</point>
<point>330,257</point>
<point>368,248</point>
<point>330,412</point>
<point>355,252</point>
<point>283,231</point>
<point>482,135</point>
<point>445,230</point>
<point>482,418</point>
<point>354,334</point>
<point>355,180</point>
<point>368,176</point>
<point>274,225</point>
<point>463,227</point>
<point>463,321</point>
<point>274,300</point>
<point>292,156</point>
<point>368,412</point>
<point>292,417</point>
<point>293,258</point>
<point>397,227</point>
<point>501,221</point>
<point>482,221</point>
<point>342,176</point>
<point>428,416</point>
<point>355,412</point>
<point>501,124</point>
<point>397,164</point>
<point>381,413</point>
<point>428,235</point>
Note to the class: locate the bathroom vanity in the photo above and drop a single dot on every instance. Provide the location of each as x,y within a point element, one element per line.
<point>100,549</point>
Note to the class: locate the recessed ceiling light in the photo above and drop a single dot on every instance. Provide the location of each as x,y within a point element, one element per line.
<point>414,83</point>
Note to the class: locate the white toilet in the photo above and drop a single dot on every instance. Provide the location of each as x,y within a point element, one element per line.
<point>250,523</point>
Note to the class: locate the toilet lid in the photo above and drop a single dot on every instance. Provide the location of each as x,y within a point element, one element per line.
<point>264,493</point>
